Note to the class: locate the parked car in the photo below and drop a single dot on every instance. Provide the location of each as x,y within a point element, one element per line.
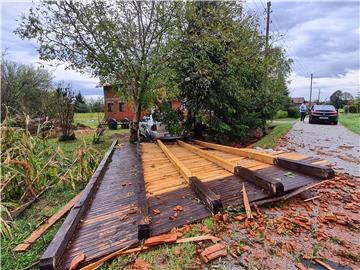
<point>323,114</point>
<point>152,129</point>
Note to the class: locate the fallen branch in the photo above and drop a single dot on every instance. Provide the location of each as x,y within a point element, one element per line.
<point>46,226</point>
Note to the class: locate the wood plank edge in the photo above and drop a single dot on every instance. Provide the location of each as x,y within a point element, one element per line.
<point>53,253</point>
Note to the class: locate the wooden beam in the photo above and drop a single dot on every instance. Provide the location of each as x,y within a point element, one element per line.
<point>227,165</point>
<point>305,168</point>
<point>184,171</point>
<point>143,207</point>
<point>207,196</point>
<point>53,254</point>
<point>272,186</point>
<point>243,152</point>
<point>25,245</point>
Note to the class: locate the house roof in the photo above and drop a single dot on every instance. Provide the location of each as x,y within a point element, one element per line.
<point>298,100</point>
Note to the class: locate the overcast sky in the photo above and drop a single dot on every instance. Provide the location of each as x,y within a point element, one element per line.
<point>322,37</point>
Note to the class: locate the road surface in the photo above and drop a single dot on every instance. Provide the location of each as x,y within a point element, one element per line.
<point>331,142</point>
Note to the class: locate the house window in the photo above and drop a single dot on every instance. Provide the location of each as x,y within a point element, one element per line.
<point>121,107</point>
<point>110,107</point>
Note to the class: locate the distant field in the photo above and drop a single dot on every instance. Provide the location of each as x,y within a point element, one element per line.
<point>88,119</point>
<point>351,121</point>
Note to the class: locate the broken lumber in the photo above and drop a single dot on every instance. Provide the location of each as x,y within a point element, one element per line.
<point>214,239</point>
<point>25,245</point>
<point>161,239</point>
<point>213,252</point>
<point>324,264</point>
<point>125,251</point>
<point>76,261</point>
<point>246,203</point>
<point>319,171</point>
<point>243,152</point>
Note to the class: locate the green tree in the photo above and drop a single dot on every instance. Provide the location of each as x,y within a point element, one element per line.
<point>24,88</point>
<point>221,69</point>
<point>120,42</point>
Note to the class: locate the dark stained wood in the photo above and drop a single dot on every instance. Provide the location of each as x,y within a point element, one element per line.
<point>143,207</point>
<point>306,168</point>
<point>269,184</point>
<point>211,200</point>
<point>54,252</point>
<point>111,220</point>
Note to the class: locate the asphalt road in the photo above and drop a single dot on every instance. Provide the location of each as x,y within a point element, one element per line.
<point>331,142</point>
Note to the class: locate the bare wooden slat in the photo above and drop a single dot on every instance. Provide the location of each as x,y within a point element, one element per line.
<point>244,152</point>
<point>211,200</point>
<point>306,168</point>
<point>217,160</point>
<point>52,255</point>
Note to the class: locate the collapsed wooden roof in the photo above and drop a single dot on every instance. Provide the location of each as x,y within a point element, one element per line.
<point>145,190</point>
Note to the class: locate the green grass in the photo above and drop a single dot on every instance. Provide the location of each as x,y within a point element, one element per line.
<point>88,119</point>
<point>281,127</point>
<point>351,121</point>
<point>48,204</point>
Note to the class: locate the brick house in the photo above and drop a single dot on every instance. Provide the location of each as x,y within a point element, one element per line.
<point>115,108</point>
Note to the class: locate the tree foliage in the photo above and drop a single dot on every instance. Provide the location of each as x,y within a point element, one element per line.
<point>24,88</point>
<point>221,68</point>
<point>121,42</point>
<point>339,98</point>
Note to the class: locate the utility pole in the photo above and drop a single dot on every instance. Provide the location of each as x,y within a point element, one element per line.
<point>311,82</point>
<point>319,96</point>
<point>268,11</point>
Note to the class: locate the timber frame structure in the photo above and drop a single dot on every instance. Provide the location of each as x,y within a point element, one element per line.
<point>136,192</point>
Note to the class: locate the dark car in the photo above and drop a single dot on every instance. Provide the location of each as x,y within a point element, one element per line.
<point>323,114</point>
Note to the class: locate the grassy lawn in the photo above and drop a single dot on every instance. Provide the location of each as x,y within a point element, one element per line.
<point>88,119</point>
<point>351,121</point>
<point>281,127</point>
<point>49,203</point>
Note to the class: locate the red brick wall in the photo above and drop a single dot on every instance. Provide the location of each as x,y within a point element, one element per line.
<point>110,96</point>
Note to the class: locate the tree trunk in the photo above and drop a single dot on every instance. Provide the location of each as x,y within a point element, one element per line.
<point>134,127</point>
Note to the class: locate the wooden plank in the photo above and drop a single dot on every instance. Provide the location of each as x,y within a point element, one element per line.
<point>207,196</point>
<point>143,207</point>
<point>244,152</point>
<point>46,226</point>
<point>215,159</point>
<point>246,203</point>
<point>305,168</point>
<point>52,255</point>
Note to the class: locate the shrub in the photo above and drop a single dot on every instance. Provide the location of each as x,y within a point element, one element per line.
<point>293,112</point>
<point>281,114</point>
<point>171,119</point>
<point>353,109</point>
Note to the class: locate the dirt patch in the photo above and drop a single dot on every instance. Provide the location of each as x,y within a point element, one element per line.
<point>121,137</point>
